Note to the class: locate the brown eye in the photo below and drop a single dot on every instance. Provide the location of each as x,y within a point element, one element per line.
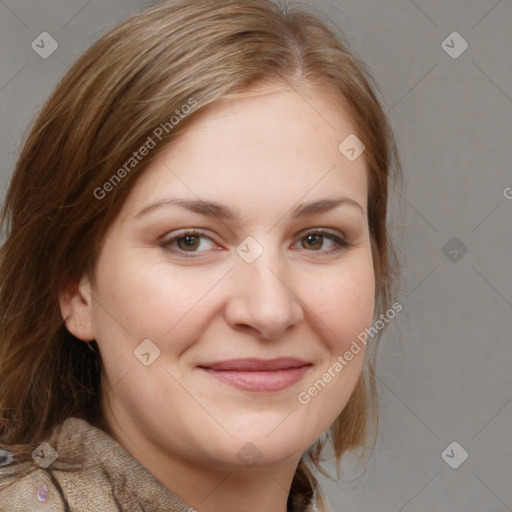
<point>188,243</point>
<point>312,242</point>
<point>322,242</point>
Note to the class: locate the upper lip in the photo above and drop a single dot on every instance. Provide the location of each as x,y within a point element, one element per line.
<point>255,364</point>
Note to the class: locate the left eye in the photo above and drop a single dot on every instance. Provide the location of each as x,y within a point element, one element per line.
<point>315,241</point>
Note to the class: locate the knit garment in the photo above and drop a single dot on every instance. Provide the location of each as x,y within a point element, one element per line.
<point>103,477</point>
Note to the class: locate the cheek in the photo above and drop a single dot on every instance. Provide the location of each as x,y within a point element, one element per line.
<point>343,308</point>
<point>345,302</point>
<point>143,296</point>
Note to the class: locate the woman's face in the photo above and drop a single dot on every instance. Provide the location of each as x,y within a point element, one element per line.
<point>224,293</point>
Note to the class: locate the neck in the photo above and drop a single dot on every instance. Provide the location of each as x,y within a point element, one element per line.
<point>207,489</point>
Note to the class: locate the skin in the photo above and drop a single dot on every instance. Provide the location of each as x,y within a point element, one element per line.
<point>261,155</point>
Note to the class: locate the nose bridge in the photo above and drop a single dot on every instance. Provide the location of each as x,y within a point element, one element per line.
<point>265,299</point>
<point>269,280</point>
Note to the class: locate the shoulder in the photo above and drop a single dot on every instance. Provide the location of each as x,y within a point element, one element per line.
<point>81,468</point>
<point>24,488</point>
<point>27,485</point>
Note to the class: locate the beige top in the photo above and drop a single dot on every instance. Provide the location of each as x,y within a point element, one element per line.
<point>105,478</point>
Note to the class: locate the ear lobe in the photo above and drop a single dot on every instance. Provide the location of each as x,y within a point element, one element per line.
<point>76,308</point>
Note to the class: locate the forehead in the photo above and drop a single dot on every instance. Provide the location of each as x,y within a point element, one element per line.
<point>275,144</point>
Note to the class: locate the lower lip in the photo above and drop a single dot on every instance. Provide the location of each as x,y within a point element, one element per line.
<point>264,381</point>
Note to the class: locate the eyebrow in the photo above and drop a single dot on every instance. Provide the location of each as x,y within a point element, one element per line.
<point>213,209</point>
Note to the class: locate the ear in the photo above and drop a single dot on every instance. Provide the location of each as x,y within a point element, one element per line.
<point>76,308</point>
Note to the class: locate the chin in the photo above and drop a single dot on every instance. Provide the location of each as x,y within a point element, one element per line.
<point>252,447</point>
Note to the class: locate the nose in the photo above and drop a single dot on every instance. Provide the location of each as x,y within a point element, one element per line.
<point>262,301</point>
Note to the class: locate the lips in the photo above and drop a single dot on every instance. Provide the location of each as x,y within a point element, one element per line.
<point>258,375</point>
<point>256,365</point>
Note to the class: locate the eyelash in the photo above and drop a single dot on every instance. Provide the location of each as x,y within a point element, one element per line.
<point>166,244</point>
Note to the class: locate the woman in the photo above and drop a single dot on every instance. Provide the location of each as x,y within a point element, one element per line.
<point>196,252</point>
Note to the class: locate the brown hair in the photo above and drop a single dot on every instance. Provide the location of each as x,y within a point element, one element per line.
<point>134,79</point>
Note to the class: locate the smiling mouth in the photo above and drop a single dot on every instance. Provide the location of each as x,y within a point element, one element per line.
<point>258,375</point>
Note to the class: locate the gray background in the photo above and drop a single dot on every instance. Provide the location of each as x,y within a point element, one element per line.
<point>443,368</point>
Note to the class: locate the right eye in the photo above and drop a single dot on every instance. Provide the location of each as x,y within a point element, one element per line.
<point>188,241</point>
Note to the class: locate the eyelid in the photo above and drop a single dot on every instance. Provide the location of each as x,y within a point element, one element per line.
<point>324,231</point>
<point>186,231</point>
